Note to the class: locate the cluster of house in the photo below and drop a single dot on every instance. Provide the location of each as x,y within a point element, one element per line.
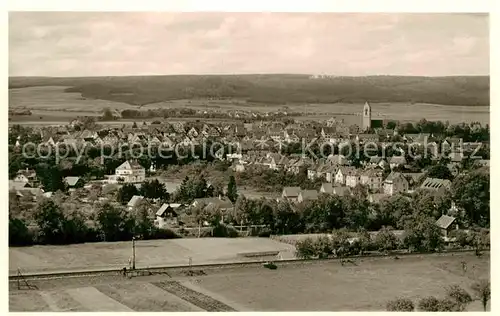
<point>342,178</point>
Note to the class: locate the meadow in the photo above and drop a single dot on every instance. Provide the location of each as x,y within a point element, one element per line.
<point>302,286</point>
<point>149,253</point>
<point>51,105</point>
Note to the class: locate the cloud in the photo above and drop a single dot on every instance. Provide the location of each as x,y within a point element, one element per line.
<point>126,43</point>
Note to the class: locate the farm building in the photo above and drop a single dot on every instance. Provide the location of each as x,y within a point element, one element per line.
<point>307,195</point>
<point>74,182</point>
<point>167,215</point>
<point>446,224</point>
<point>291,193</point>
<point>435,184</point>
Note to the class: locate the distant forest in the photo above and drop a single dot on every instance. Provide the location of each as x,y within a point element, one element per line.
<point>274,89</point>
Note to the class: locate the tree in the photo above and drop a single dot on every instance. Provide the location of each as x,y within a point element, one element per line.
<point>355,212</point>
<point>482,291</point>
<point>114,223</point>
<point>471,192</point>
<point>51,177</point>
<point>19,235</point>
<point>154,190</point>
<point>422,234</point>
<point>479,239</point>
<point>400,305</point>
<point>241,210</point>
<point>364,241</point>
<point>107,115</point>
<point>232,190</point>
<point>385,240</point>
<point>459,296</point>
<point>440,171</point>
<point>201,215</point>
<point>126,192</point>
<point>144,225</point>
<point>340,242</point>
<point>50,218</point>
<point>394,211</point>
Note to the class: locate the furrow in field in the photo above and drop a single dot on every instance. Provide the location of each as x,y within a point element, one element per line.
<point>201,300</point>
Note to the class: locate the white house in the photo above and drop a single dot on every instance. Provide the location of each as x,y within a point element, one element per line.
<point>341,175</point>
<point>352,178</point>
<point>129,172</point>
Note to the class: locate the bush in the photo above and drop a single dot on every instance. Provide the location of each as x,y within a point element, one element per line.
<point>265,233</point>
<point>429,304</point>
<point>385,240</point>
<point>323,247</point>
<point>482,290</point>
<point>223,230</point>
<point>447,305</point>
<point>305,249</point>
<point>459,296</point>
<point>400,305</point>
<point>163,233</point>
<point>19,234</point>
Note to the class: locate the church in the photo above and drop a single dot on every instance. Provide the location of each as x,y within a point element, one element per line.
<point>368,122</point>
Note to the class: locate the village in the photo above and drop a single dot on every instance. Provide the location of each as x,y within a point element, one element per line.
<point>249,161</point>
<point>251,148</point>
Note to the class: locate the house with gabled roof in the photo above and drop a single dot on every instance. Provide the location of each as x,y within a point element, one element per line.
<point>413,178</point>
<point>330,173</point>
<point>341,175</point>
<point>435,184</point>
<point>396,161</point>
<point>129,172</point>
<point>326,188</point>
<point>136,200</point>
<point>74,182</point>
<point>342,190</point>
<point>307,195</point>
<point>372,178</point>
<point>338,160</point>
<point>352,177</point>
<point>167,215</point>
<point>368,138</point>
<point>395,183</point>
<point>446,224</point>
<point>291,193</point>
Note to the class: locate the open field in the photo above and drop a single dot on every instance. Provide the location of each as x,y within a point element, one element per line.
<point>302,286</point>
<point>149,253</point>
<point>54,98</point>
<point>274,88</point>
<point>51,105</point>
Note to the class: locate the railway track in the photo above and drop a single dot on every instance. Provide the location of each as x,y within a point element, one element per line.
<point>168,270</point>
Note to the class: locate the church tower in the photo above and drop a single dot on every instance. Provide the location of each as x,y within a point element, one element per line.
<point>367,117</point>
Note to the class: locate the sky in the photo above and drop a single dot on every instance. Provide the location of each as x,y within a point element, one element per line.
<point>65,44</point>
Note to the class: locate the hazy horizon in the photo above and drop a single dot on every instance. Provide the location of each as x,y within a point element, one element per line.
<point>113,44</point>
<point>248,74</point>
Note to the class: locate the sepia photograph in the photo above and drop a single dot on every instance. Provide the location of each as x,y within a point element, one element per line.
<point>236,161</point>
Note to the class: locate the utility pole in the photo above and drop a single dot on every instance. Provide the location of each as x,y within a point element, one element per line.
<point>133,253</point>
